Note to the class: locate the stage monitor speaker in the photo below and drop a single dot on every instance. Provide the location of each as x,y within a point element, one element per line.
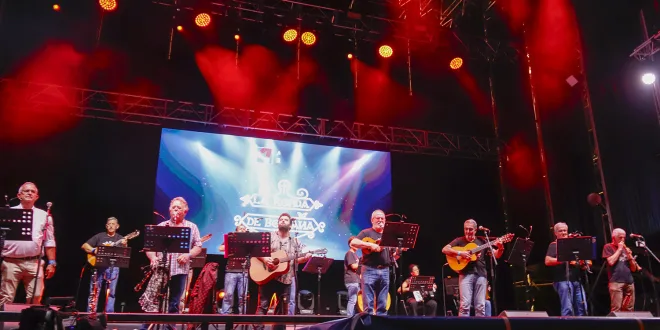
<point>523,314</point>
<point>636,315</point>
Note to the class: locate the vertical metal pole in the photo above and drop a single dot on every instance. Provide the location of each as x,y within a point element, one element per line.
<point>355,62</point>
<point>410,89</point>
<point>539,136</point>
<point>98,32</point>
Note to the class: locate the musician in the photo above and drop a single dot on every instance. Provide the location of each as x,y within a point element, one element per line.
<point>180,261</point>
<point>620,265</point>
<point>109,237</point>
<point>429,307</point>
<point>375,281</point>
<point>570,291</point>
<point>472,281</point>
<point>281,286</point>
<point>21,258</point>
<point>351,277</point>
<point>234,280</point>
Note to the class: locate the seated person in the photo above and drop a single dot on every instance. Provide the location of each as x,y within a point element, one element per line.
<point>429,306</point>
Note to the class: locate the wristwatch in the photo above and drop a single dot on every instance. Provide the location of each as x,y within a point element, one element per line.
<point>52,263</point>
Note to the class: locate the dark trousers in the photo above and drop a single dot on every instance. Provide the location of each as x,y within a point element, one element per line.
<point>266,292</point>
<point>430,307</point>
<point>177,286</point>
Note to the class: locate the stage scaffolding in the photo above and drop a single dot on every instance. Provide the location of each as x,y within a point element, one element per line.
<point>88,103</point>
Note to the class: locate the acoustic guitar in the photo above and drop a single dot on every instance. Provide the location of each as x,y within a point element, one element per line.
<point>459,263</point>
<point>366,251</point>
<point>262,274</point>
<point>91,258</point>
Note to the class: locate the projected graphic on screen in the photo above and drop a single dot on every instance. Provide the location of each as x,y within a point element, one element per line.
<point>231,180</point>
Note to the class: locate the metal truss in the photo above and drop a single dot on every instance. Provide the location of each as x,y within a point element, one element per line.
<point>647,48</point>
<point>87,103</point>
<point>370,22</point>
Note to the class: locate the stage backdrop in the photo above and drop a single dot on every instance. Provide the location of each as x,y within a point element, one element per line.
<point>231,180</point>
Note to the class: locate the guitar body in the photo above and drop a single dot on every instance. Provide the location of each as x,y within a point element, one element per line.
<point>369,240</point>
<point>459,263</point>
<point>262,274</point>
<point>91,258</point>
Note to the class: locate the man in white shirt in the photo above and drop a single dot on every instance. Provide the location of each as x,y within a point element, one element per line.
<point>21,257</point>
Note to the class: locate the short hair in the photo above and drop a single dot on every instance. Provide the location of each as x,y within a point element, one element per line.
<point>377,211</point>
<point>617,231</point>
<point>20,189</point>
<point>239,226</point>
<point>410,268</point>
<point>350,239</point>
<point>470,221</point>
<point>284,215</point>
<point>111,218</point>
<point>559,224</point>
<point>180,199</point>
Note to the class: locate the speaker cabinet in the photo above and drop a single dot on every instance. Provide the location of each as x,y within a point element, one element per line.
<point>523,314</point>
<point>636,315</point>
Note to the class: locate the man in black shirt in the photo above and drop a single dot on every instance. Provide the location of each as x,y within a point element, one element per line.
<point>375,265</point>
<point>472,281</point>
<point>107,238</point>
<point>620,265</point>
<point>234,280</point>
<point>351,277</point>
<point>429,307</point>
<point>570,291</point>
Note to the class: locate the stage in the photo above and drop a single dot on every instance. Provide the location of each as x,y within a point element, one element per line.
<point>122,321</point>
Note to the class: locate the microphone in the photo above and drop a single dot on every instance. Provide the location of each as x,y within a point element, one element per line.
<point>594,200</point>
<point>484,229</point>
<point>6,200</point>
<point>636,235</point>
<point>49,205</point>
<point>160,215</point>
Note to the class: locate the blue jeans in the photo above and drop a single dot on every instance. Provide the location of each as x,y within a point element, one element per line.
<point>571,294</point>
<point>353,289</point>
<point>102,275</point>
<point>489,310</point>
<point>375,283</point>
<point>292,299</point>
<point>472,286</point>
<point>234,285</point>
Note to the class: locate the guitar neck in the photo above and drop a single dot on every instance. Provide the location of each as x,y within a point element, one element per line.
<point>482,247</point>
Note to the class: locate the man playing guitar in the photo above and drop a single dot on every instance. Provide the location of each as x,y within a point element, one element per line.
<point>109,237</point>
<point>472,281</point>
<point>376,260</point>
<point>620,265</point>
<point>281,286</point>
<point>234,281</point>
<point>570,291</point>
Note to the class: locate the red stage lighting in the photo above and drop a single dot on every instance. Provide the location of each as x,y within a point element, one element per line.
<point>385,51</point>
<point>290,35</point>
<point>203,19</point>
<point>350,56</point>
<point>108,5</point>
<point>456,63</point>
<point>179,28</point>
<point>56,7</point>
<point>308,38</point>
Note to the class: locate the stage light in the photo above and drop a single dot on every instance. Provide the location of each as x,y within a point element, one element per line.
<point>203,19</point>
<point>306,302</point>
<point>456,63</point>
<point>290,35</point>
<point>179,28</point>
<point>648,78</point>
<point>385,51</point>
<point>108,5</point>
<point>221,294</point>
<point>308,38</point>
<point>56,7</point>
<point>350,56</point>
<point>237,37</point>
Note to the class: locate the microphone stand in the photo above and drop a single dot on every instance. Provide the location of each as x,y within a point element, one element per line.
<point>42,253</point>
<point>444,290</point>
<point>650,254</point>
<point>493,264</point>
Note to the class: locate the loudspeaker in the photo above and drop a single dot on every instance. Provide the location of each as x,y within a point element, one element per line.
<point>637,315</point>
<point>523,314</point>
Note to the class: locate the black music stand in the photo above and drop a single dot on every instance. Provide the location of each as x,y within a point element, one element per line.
<point>522,247</point>
<point>15,225</point>
<point>581,248</point>
<point>399,235</point>
<point>166,239</point>
<point>111,256</point>
<point>247,245</point>
<point>423,285</point>
<point>319,266</point>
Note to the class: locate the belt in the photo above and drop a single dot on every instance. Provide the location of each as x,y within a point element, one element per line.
<point>24,258</point>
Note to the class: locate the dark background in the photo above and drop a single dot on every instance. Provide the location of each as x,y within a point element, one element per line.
<point>92,169</point>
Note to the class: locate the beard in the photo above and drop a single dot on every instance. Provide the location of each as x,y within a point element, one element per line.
<point>283,228</point>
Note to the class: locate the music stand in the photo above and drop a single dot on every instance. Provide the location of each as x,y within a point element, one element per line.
<point>518,256</point>
<point>108,257</point>
<point>319,266</point>
<point>15,225</point>
<point>400,235</point>
<point>166,239</point>
<point>576,249</point>
<point>247,245</point>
